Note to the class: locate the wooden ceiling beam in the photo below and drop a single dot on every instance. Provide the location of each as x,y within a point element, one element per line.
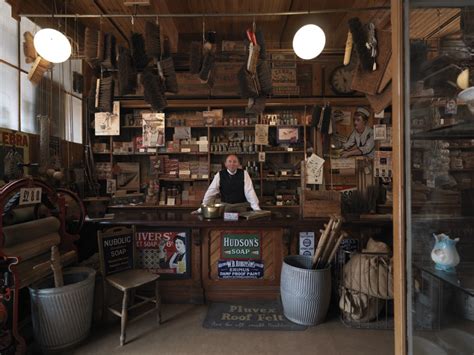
<point>285,24</point>
<point>101,9</point>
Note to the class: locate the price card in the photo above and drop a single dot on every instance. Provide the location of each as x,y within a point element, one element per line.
<point>261,157</point>
<point>194,176</point>
<point>30,195</point>
<point>205,176</point>
<point>231,216</point>
<point>185,150</point>
<point>171,201</point>
<point>283,173</point>
<point>289,149</point>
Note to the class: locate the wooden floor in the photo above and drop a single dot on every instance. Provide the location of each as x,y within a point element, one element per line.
<point>182,333</point>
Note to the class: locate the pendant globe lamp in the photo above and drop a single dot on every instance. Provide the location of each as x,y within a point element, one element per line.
<point>52,45</point>
<point>309,41</point>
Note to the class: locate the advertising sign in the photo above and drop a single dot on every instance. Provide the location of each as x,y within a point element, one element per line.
<point>241,245</point>
<point>118,252</point>
<point>240,269</point>
<point>165,252</point>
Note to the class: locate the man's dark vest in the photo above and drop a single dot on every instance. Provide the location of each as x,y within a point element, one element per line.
<point>232,186</point>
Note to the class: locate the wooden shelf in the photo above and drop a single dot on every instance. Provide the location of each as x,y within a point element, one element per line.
<point>181,153</point>
<point>131,127</point>
<point>138,102</point>
<point>283,152</point>
<point>275,206</point>
<point>181,179</point>
<point>227,153</point>
<point>281,178</point>
<point>102,153</point>
<point>157,207</point>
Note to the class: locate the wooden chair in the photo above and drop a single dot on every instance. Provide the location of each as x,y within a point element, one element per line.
<point>117,255</point>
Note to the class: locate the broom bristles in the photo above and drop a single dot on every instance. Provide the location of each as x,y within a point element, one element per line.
<point>109,60</point>
<point>126,72</point>
<point>138,51</point>
<point>152,40</point>
<point>171,82</point>
<point>152,90</point>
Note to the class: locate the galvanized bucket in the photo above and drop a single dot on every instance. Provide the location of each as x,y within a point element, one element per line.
<point>305,293</point>
<point>62,315</point>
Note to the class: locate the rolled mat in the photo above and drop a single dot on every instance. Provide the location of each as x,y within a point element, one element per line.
<point>24,232</point>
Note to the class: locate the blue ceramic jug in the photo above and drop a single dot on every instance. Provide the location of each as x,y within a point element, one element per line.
<point>444,253</point>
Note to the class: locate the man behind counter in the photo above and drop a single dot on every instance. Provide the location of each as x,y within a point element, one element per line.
<point>233,184</point>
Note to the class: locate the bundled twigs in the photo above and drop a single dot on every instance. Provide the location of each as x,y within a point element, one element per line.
<point>330,239</point>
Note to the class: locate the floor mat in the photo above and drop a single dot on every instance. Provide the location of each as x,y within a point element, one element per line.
<point>248,315</point>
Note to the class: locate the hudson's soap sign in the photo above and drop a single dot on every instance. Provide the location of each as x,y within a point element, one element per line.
<point>238,245</point>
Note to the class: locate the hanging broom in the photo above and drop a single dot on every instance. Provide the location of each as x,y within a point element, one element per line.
<point>28,48</point>
<point>127,75</point>
<point>152,40</point>
<point>139,55</point>
<point>109,60</point>
<point>195,57</point>
<point>359,37</point>
<point>77,82</point>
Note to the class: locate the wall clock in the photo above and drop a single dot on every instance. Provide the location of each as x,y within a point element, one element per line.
<point>341,80</point>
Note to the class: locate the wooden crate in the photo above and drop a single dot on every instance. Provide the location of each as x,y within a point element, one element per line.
<point>321,203</point>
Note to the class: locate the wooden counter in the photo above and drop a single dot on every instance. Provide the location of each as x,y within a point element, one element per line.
<point>277,236</point>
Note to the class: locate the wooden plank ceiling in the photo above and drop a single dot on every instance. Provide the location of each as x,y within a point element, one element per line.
<point>278,30</point>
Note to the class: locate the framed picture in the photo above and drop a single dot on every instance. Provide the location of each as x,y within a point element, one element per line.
<point>128,177</point>
<point>288,135</point>
<point>283,60</point>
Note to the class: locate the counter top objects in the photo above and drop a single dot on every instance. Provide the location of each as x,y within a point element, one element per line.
<point>177,218</point>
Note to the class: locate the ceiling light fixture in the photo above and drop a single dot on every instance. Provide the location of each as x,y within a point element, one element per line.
<point>52,45</point>
<point>309,41</point>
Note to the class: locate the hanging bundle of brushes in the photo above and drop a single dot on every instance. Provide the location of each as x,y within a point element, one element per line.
<point>109,52</point>
<point>139,55</point>
<point>264,71</point>
<point>153,90</point>
<point>249,85</point>
<point>166,69</point>
<point>127,74</point>
<point>93,47</point>
<point>360,39</point>
<point>195,57</point>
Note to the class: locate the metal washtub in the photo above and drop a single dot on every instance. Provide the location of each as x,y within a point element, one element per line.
<point>305,292</point>
<point>62,316</point>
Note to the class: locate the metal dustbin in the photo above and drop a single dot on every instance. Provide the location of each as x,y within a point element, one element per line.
<point>62,315</point>
<point>305,292</point>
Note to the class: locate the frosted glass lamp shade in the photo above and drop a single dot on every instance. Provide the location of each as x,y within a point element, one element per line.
<point>309,41</point>
<point>52,45</point>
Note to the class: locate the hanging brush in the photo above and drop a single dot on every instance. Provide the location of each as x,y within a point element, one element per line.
<point>264,74</point>
<point>261,43</point>
<point>100,46</point>
<point>127,75</point>
<point>91,98</point>
<point>169,75</point>
<point>139,56</point>
<point>37,70</point>
<point>109,60</point>
<point>208,52</point>
<point>247,83</point>
<point>77,82</point>
<point>90,46</point>
<point>105,94</point>
<point>152,40</point>
<point>359,37</point>
<point>195,57</point>
<point>29,48</point>
<point>152,90</point>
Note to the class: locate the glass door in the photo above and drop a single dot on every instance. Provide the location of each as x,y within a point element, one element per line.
<point>439,176</point>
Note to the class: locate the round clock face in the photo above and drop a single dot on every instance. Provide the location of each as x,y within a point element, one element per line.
<point>341,80</point>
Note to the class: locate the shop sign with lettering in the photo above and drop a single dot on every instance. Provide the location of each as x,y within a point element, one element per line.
<point>241,245</point>
<point>240,269</point>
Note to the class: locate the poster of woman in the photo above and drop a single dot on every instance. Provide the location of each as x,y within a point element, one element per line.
<point>164,252</point>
